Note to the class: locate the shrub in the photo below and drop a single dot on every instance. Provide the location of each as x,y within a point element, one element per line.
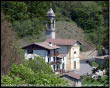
<point>27,74</point>
<point>38,64</point>
<point>5,79</point>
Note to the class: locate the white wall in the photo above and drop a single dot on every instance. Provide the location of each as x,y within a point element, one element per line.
<point>75,48</point>
<point>75,56</point>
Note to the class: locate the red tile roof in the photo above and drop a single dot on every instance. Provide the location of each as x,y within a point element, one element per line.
<point>62,41</point>
<point>73,75</point>
<point>44,45</point>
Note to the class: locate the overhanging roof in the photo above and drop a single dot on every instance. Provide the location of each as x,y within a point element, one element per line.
<point>44,45</point>
<point>63,41</point>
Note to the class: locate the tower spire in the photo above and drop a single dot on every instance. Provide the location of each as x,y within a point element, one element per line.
<point>50,26</point>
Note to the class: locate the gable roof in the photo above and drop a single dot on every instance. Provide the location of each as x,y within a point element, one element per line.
<point>62,41</point>
<point>44,45</point>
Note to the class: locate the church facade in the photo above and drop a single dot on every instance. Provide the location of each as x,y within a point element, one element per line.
<point>62,54</point>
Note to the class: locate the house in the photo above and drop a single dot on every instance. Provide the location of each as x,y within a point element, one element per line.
<point>74,80</point>
<point>61,54</point>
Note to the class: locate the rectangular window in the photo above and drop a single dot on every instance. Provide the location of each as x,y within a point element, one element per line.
<point>54,59</point>
<point>49,52</point>
<point>74,64</point>
<point>57,67</point>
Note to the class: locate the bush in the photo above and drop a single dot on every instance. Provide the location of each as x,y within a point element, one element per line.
<point>5,79</point>
<point>38,64</point>
<point>94,64</point>
<point>28,73</point>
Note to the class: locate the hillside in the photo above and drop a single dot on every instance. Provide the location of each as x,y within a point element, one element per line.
<point>91,16</point>
<point>67,30</point>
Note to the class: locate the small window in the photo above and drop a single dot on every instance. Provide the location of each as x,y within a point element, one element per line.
<point>74,52</point>
<point>74,64</point>
<point>49,52</point>
<point>57,67</point>
<point>54,58</point>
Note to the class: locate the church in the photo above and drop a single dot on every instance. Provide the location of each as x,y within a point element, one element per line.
<point>62,54</point>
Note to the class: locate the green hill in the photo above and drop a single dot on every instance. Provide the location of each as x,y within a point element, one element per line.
<point>67,30</point>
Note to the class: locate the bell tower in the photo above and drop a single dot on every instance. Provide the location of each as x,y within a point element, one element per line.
<point>50,25</point>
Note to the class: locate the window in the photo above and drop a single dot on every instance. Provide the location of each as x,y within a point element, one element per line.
<point>48,52</point>
<point>74,64</point>
<point>54,59</point>
<point>30,51</point>
<point>57,67</point>
<point>74,52</point>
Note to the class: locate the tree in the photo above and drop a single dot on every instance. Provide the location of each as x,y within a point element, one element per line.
<point>11,52</point>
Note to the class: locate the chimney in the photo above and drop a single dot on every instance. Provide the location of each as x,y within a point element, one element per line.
<point>50,44</point>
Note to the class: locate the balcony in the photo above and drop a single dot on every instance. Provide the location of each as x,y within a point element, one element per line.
<point>55,62</point>
<point>55,54</point>
<point>59,70</point>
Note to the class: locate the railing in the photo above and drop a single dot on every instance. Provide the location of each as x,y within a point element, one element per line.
<point>55,54</point>
<point>58,70</point>
<point>56,62</point>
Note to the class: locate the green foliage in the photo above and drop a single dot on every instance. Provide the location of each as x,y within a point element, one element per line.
<point>94,64</point>
<point>28,28</point>
<point>87,81</point>
<point>82,48</point>
<point>38,65</point>
<point>91,16</point>
<point>35,72</point>
<point>5,79</point>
